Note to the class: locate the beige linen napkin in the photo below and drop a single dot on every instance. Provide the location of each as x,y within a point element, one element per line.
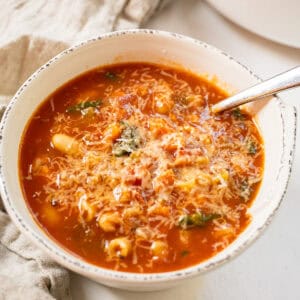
<point>31,32</point>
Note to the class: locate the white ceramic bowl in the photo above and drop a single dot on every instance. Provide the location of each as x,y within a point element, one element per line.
<point>276,122</point>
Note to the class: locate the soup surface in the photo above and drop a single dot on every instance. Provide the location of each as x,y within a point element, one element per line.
<point>126,167</point>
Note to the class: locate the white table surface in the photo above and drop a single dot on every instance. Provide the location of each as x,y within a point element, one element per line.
<point>270,268</point>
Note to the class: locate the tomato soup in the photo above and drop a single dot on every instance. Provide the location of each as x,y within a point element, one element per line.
<point>126,167</point>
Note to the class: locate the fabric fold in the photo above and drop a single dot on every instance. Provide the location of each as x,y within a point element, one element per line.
<point>31,33</point>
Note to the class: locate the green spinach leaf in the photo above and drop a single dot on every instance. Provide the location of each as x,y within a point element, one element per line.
<point>238,114</point>
<point>198,219</point>
<point>111,76</point>
<point>252,148</point>
<point>83,105</point>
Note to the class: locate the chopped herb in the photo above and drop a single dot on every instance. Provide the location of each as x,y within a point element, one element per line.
<point>185,221</point>
<point>199,219</point>
<point>82,106</point>
<point>111,76</point>
<point>185,253</point>
<point>129,141</point>
<point>237,114</point>
<point>245,190</point>
<point>252,148</point>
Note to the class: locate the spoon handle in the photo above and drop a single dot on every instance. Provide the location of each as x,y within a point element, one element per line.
<point>283,81</point>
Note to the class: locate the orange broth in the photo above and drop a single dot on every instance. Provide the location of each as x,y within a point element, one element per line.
<point>126,167</point>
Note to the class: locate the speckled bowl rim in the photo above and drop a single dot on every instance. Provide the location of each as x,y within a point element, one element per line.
<point>76,264</point>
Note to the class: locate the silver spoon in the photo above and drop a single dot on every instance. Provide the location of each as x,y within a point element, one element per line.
<point>283,81</point>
